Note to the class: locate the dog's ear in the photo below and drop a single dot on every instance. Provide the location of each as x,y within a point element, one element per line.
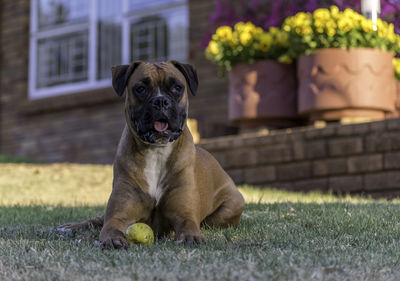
<point>190,75</point>
<point>121,74</point>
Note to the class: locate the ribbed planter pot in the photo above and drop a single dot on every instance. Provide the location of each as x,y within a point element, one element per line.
<point>336,84</point>
<point>263,94</point>
<point>396,112</point>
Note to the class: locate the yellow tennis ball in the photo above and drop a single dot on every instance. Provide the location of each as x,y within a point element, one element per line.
<point>140,233</point>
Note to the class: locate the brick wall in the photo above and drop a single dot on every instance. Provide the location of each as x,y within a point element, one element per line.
<point>359,158</point>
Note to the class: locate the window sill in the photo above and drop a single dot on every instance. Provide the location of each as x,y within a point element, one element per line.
<point>70,101</point>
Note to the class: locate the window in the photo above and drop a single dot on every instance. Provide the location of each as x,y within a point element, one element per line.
<point>74,43</point>
<point>149,39</point>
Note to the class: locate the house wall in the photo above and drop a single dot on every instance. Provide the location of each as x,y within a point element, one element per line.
<point>361,158</point>
<point>85,127</point>
<point>210,105</point>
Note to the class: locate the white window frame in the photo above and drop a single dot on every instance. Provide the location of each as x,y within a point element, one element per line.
<point>92,83</point>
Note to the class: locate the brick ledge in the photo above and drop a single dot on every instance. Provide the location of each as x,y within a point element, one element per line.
<point>299,133</point>
<point>63,102</point>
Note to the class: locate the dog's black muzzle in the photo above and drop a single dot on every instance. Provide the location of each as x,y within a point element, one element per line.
<point>159,121</point>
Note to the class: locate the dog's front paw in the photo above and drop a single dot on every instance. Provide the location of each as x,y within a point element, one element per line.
<point>115,243</point>
<point>189,238</point>
<point>113,240</point>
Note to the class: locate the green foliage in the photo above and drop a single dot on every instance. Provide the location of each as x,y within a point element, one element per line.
<point>396,65</point>
<point>10,159</point>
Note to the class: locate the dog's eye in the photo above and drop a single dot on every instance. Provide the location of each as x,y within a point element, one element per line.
<point>177,89</point>
<point>140,90</point>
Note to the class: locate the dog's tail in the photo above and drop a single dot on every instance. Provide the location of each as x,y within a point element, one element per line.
<point>95,222</point>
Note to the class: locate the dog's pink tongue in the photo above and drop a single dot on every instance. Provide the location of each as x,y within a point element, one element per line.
<point>160,126</point>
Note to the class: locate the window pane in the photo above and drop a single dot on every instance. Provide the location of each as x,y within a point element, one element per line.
<point>161,37</point>
<point>149,39</point>
<point>62,59</point>
<point>178,37</point>
<point>109,37</point>
<point>55,12</point>
<point>141,4</point>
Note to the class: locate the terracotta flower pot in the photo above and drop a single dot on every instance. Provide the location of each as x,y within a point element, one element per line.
<point>396,112</point>
<point>336,84</point>
<point>263,94</point>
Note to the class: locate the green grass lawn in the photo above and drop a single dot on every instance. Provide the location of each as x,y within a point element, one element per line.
<point>282,235</point>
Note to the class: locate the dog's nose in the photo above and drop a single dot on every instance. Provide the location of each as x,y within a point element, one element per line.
<point>161,103</point>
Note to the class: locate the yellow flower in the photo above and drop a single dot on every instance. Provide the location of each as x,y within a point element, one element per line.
<point>224,33</point>
<point>286,27</point>
<point>307,30</point>
<point>235,39</point>
<point>239,26</point>
<point>258,30</point>
<point>331,31</point>
<point>265,42</point>
<point>318,23</point>
<point>298,21</point>
<point>390,27</point>
<point>273,30</point>
<point>285,59</point>
<point>388,32</point>
<point>248,27</point>
<point>245,38</point>
<point>353,16</point>
<point>290,22</point>
<point>367,25</point>
<point>381,26</point>
<point>391,37</point>
<point>282,38</point>
<point>335,12</point>
<point>344,24</point>
<point>321,14</point>
<point>302,15</point>
<point>213,47</point>
<point>331,24</point>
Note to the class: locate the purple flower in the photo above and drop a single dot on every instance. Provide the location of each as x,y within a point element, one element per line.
<point>311,5</point>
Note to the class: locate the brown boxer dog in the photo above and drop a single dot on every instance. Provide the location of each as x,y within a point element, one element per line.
<point>160,177</point>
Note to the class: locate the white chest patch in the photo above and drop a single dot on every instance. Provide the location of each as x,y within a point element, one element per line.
<point>155,170</point>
